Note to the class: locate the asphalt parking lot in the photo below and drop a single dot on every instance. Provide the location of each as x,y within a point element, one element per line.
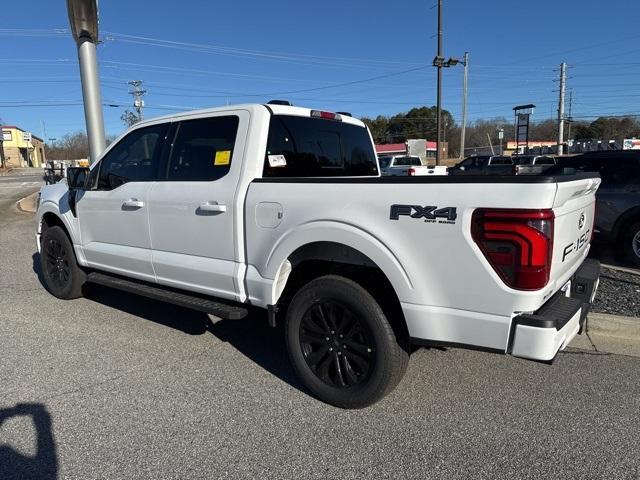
<point>114,386</point>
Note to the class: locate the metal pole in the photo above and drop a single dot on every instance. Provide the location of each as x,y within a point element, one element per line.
<point>439,93</point>
<point>563,78</point>
<point>464,104</point>
<point>91,96</point>
<point>569,120</point>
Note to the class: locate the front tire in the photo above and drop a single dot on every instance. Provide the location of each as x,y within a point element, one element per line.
<point>63,278</point>
<point>631,242</point>
<point>341,344</point>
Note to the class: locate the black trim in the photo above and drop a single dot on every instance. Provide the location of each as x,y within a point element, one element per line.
<point>434,179</point>
<point>555,313</point>
<point>221,308</point>
<point>272,312</point>
<point>269,108</point>
<point>582,285</point>
<point>441,344</point>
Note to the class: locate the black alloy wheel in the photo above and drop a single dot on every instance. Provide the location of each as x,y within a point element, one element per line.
<point>336,346</point>
<point>57,263</point>
<point>61,273</point>
<point>341,344</point>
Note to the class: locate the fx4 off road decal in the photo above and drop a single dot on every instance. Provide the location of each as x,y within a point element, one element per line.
<point>428,213</point>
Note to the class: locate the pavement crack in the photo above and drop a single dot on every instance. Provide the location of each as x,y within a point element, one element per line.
<point>591,341</point>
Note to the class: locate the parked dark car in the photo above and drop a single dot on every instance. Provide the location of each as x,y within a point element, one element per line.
<point>485,165</point>
<point>618,198</point>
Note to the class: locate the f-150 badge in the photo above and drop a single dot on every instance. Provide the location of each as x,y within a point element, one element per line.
<point>429,213</point>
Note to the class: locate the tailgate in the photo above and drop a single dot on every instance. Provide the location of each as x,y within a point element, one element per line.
<point>574,208</point>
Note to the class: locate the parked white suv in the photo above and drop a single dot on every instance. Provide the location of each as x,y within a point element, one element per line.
<point>284,208</point>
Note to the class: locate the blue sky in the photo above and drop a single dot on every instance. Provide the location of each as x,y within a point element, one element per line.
<point>366,57</point>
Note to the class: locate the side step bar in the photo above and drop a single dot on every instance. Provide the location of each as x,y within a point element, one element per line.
<point>223,310</point>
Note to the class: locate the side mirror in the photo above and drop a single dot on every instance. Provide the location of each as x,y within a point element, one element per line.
<point>77,178</point>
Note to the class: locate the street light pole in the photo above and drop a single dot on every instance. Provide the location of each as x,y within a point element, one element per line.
<point>83,18</point>
<point>465,62</point>
<point>440,58</point>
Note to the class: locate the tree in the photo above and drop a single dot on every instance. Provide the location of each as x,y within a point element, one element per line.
<point>72,146</point>
<point>419,122</point>
<point>129,118</point>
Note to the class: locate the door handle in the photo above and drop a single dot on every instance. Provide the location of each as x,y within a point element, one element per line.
<point>211,207</point>
<point>132,204</point>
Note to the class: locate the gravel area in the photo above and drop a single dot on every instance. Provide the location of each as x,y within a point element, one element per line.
<point>618,294</point>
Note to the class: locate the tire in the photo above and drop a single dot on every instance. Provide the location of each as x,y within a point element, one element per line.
<point>631,243</point>
<point>341,344</point>
<point>63,278</point>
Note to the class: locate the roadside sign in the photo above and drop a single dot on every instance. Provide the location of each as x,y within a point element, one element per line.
<point>26,136</point>
<point>631,144</point>
<point>500,134</point>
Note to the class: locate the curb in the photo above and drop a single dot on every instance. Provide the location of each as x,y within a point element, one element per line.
<point>29,203</point>
<point>614,325</point>
<point>621,269</point>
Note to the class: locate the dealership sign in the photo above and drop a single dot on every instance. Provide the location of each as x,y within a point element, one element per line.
<point>631,144</point>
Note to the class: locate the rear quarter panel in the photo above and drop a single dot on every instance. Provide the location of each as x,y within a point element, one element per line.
<point>434,263</point>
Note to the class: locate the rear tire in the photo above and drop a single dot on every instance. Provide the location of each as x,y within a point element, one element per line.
<point>63,278</point>
<point>341,344</point>
<point>631,243</point>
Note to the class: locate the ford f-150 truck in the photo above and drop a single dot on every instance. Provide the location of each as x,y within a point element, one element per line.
<point>284,208</point>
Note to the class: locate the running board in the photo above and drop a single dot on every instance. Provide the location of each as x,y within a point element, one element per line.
<point>223,310</point>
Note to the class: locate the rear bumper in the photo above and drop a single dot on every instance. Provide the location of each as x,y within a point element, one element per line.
<point>540,335</point>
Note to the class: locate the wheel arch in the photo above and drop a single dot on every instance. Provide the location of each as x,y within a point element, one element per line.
<point>353,255</point>
<point>337,242</point>
<point>626,219</point>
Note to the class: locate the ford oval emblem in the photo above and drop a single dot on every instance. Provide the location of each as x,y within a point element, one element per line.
<point>581,221</point>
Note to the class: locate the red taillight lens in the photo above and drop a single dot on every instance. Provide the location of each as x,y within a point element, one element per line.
<point>517,243</point>
<point>411,172</point>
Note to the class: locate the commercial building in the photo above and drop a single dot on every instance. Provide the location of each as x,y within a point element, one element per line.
<point>424,149</point>
<point>19,148</point>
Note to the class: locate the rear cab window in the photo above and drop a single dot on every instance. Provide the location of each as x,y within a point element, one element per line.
<point>316,147</point>
<point>407,162</point>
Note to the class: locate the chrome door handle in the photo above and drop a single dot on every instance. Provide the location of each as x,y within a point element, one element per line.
<point>132,204</point>
<point>211,207</point>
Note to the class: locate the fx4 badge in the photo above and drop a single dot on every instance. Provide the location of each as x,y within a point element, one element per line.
<point>429,213</point>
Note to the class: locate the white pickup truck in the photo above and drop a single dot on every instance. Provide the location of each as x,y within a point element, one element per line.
<point>408,165</point>
<point>284,208</point>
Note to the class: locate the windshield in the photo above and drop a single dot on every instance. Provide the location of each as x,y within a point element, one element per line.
<point>525,159</point>
<point>384,162</point>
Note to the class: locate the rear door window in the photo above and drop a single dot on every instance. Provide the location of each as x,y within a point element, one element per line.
<point>314,147</point>
<point>203,149</point>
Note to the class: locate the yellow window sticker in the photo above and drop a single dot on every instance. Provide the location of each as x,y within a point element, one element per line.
<point>223,157</point>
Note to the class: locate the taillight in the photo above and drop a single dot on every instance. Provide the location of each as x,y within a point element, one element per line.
<point>517,243</point>
<point>411,172</point>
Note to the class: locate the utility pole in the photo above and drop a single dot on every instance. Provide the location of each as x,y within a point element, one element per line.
<point>563,80</point>
<point>465,62</point>
<point>440,59</point>
<point>569,118</point>
<point>137,93</point>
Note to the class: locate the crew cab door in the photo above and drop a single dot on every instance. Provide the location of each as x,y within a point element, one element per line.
<point>113,215</point>
<point>192,216</point>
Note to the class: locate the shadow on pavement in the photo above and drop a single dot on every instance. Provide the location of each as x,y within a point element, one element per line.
<point>251,336</point>
<point>44,464</point>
